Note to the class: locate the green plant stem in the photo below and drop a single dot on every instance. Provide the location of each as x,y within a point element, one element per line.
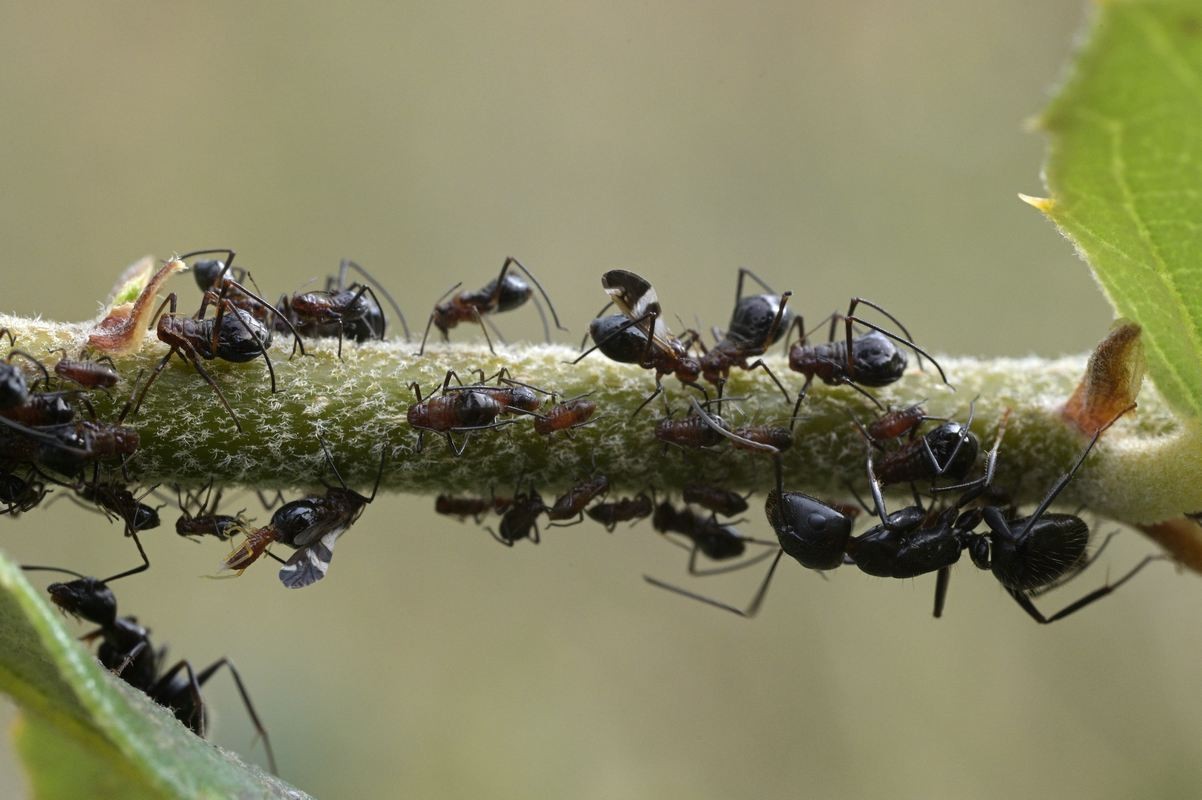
<point>1145,469</point>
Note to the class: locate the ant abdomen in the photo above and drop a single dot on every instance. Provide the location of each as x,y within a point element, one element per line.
<point>1055,544</point>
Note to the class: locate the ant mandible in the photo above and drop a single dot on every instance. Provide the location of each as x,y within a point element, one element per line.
<point>503,293</point>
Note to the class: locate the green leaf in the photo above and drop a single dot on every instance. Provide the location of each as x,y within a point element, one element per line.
<point>1125,175</point>
<point>87,734</point>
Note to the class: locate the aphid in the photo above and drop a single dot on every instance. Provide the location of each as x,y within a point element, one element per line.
<point>571,504</point>
<point>566,416</point>
<point>311,526</point>
<point>639,335</point>
<point>707,537</point>
<point>521,520</point>
<point>42,409</point>
<point>626,509</point>
<point>504,293</point>
<point>691,432</point>
<point>774,435</point>
<point>205,521</point>
<point>233,335</point>
<point>474,507</point>
<point>898,422</point>
<point>514,397</point>
<point>463,409</point>
<point>873,359</point>
<point>1025,554</point>
<point>69,448</point>
<point>126,650</point>
<point>758,322</point>
<point>100,373</point>
<point>716,499</point>
<point>352,311</point>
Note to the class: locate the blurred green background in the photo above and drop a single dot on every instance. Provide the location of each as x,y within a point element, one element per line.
<point>866,147</point>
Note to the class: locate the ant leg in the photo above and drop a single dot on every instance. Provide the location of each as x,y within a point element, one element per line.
<point>748,612</point>
<point>1064,479</point>
<point>942,578</point>
<point>262,346</point>
<point>498,537</point>
<point>480,319</point>
<point>34,361</point>
<point>878,499</point>
<point>145,565</point>
<point>659,388</point>
<point>346,262</point>
<point>510,260</point>
<point>710,571</point>
<point>746,273</point>
<point>193,358</point>
<point>203,676</point>
<point>758,363</point>
<point>1025,603</point>
<point>421,350</point>
<point>801,396</point>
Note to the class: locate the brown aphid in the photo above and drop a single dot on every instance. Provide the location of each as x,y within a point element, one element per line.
<point>570,505</point>
<point>690,432</point>
<point>626,509</point>
<point>474,507</point>
<point>565,416</point>
<point>898,422</point>
<point>716,499</point>
<point>98,374</point>
<point>772,435</point>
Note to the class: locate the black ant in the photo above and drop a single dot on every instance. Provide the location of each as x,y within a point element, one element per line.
<point>503,293</point>
<point>639,335</point>
<point>311,526</point>
<point>521,520</point>
<point>626,509</point>
<point>234,335</point>
<point>571,504</point>
<point>100,373</point>
<point>205,521</point>
<point>1025,554</point>
<point>716,499</point>
<point>352,311</point>
<point>873,359</point>
<point>758,322</point>
<point>126,650</point>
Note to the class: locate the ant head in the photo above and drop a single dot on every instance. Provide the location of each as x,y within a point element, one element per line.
<point>207,273</point>
<point>89,598</point>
